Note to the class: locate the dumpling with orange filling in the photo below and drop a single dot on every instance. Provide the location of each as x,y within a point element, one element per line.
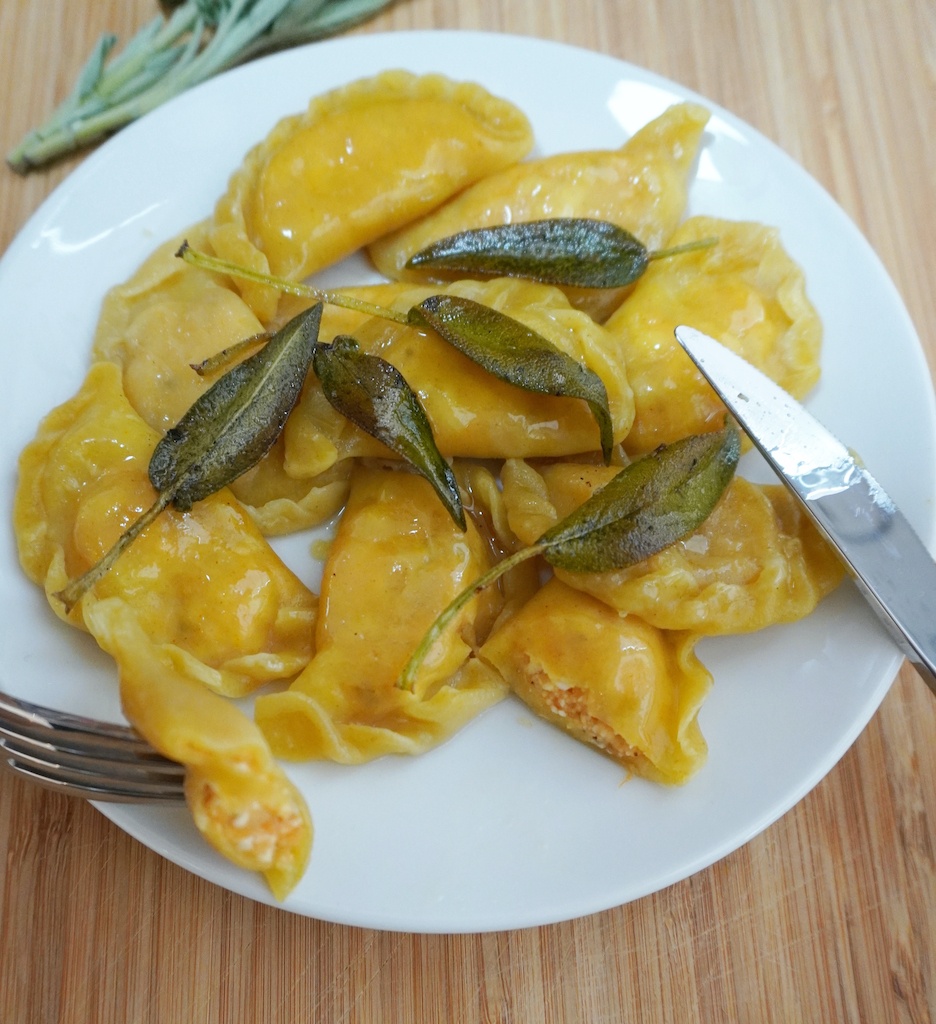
<point>396,561</point>
<point>241,800</point>
<point>361,161</point>
<point>747,292</point>
<point>642,187</point>
<point>204,585</point>
<point>756,561</point>
<point>473,414</point>
<point>608,679</point>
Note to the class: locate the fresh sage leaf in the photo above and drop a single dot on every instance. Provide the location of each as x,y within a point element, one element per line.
<point>571,251</point>
<point>372,393</point>
<point>649,505</point>
<point>228,429</point>
<point>190,42</point>
<point>516,354</point>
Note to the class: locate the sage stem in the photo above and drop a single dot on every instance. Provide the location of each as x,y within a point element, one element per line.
<point>306,291</point>
<point>407,680</point>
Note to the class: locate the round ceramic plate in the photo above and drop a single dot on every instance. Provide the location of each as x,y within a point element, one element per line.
<point>510,823</point>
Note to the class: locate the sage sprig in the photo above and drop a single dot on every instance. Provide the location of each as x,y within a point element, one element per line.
<point>649,505</point>
<point>572,251</point>
<point>514,353</point>
<point>225,432</point>
<point>172,53</point>
<point>373,393</point>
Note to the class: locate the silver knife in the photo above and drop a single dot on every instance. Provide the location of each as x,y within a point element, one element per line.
<point>889,563</point>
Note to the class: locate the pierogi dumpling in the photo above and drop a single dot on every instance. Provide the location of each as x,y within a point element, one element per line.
<point>361,161</point>
<point>608,679</point>
<point>396,561</point>
<point>642,187</point>
<point>166,317</point>
<point>204,585</point>
<point>240,799</point>
<point>746,292</point>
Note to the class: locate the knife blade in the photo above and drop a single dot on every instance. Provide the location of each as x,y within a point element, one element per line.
<point>889,563</point>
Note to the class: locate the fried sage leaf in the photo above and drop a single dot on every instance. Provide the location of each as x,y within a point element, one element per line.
<point>372,393</point>
<point>513,353</point>
<point>649,505</point>
<point>237,420</point>
<point>573,251</point>
<point>652,503</point>
<point>228,429</point>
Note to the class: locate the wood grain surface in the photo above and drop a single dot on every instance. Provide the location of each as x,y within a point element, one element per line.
<point>830,915</point>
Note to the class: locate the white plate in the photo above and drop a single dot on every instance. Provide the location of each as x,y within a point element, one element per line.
<point>510,823</point>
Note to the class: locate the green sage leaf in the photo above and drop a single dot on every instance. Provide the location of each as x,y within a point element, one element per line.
<point>570,251</point>
<point>233,424</point>
<point>649,505</point>
<point>516,354</point>
<point>372,393</point>
<point>575,251</point>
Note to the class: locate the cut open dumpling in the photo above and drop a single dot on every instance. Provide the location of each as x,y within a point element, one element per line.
<point>607,678</point>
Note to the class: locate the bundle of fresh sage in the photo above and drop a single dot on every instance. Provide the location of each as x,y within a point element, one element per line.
<point>175,51</point>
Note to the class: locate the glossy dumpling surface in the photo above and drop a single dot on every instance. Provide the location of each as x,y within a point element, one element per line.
<point>396,561</point>
<point>747,292</point>
<point>361,161</point>
<point>167,316</point>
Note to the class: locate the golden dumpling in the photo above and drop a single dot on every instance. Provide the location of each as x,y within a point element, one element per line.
<point>396,561</point>
<point>362,160</point>
<point>608,679</point>
<point>166,317</point>
<point>642,187</point>
<point>756,561</point>
<point>240,798</point>
<point>204,585</point>
<point>746,292</point>
<point>280,504</point>
<point>473,414</point>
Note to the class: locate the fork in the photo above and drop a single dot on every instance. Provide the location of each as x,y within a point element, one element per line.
<point>84,757</point>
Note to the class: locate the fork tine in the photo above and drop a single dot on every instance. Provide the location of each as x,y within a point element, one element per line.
<point>88,758</point>
<point>83,756</point>
<point>131,748</point>
<point>92,786</point>
<point>40,721</point>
